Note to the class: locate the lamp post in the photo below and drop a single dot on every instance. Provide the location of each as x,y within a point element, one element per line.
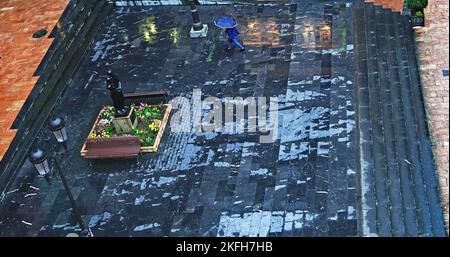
<point>38,158</point>
<point>197,25</point>
<point>198,29</point>
<point>57,127</point>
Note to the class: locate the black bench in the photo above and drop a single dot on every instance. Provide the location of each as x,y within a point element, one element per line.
<point>155,97</point>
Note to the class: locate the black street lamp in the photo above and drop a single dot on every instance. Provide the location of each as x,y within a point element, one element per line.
<point>38,158</point>
<point>198,28</point>
<point>57,126</point>
<point>197,24</point>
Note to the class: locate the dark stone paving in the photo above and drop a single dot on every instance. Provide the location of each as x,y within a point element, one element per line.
<point>212,184</point>
<point>306,183</point>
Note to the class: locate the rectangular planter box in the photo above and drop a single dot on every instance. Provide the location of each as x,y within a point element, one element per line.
<point>148,149</point>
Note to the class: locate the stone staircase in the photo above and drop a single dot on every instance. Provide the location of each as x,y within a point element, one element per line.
<point>79,26</point>
<point>398,180</point>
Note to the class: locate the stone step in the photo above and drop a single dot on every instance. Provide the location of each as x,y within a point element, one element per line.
<point>426,157</point>
<point>395,150</point>
<point>416,168</point>
<point>70,16</point>
<point>65,16</point>
<point>378,147</point>
<point>407,184</point>
<point>392,177</point>
<point>394,146</point>
<point>398,131</point>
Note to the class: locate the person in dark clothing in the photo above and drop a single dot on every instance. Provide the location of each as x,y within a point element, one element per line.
<point>114,85</point>
<point>232,34</point>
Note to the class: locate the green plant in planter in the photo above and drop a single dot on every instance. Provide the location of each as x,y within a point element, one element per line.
<point>148,127</point>
<point>137,132</point>
<point>146,112</point>
<point>104,127</point>
<point>418,14</point>
<point>153,127</point>
<point>147,137</point>
<point>416,5</point>
<point>149,140</point>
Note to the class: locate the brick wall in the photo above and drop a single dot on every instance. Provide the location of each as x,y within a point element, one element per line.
<point>432,43</point>
<point>20,54</point>
<point>395,5</point>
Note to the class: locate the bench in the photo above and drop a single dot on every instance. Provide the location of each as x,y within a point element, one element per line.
<point>115,147</point>
<point>155,97</point>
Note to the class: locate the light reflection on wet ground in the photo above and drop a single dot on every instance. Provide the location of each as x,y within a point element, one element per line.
<point>215,184</point>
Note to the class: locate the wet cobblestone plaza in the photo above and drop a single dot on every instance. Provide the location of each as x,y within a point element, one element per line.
<point>308,182</point>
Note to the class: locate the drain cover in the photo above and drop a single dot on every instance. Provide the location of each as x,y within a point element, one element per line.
<point>40,33</point>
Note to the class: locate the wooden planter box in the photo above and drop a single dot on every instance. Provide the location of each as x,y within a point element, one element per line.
<point>114,147</point>
<point>148,149</point>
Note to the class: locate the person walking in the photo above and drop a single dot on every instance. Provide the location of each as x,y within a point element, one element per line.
<point>232,34</point>
<point>228,24</point>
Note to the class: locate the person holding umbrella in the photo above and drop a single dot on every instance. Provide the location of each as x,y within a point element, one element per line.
<point>229,25</point>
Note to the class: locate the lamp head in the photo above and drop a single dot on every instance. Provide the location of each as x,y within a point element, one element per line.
<point>38,158</point>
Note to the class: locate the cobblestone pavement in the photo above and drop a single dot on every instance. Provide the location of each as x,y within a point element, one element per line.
<point>433,51</point>
<point>18,62</point>
<point>212,184</point>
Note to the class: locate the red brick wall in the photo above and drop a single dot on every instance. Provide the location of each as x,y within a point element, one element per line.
<point>395,5</point>
<point>21,54</point>
<point>432,44</point>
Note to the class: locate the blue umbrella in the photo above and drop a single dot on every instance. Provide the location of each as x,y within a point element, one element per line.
<point>225,22</point>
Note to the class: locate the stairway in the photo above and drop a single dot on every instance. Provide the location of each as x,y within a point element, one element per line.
<point>398,180</point>
<point>79,26</point>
